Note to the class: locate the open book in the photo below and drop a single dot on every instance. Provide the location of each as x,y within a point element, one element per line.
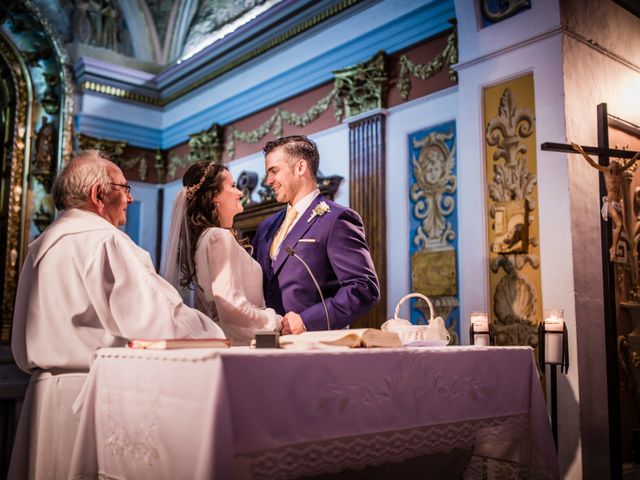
<point>180,343</point>
<point>357,337</point>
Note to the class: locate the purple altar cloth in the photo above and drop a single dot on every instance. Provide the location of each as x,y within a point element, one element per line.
<point>244,413</point>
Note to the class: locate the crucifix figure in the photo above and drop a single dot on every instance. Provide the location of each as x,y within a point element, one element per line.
<point>613,202</point>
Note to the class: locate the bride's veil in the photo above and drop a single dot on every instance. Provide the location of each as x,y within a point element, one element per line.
<point>178,261</point>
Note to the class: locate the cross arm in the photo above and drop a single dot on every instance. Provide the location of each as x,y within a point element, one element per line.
<point>611,152</point>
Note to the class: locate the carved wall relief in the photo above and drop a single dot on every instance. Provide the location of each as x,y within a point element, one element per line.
<point>514,278</point>
<point>363,87</point>
<point>115,150</point>
<point>433,223</point>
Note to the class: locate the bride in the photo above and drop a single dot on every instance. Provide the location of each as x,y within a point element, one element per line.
<point>205,255</point>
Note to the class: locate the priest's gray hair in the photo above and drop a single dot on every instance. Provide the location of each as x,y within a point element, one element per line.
<point>72,188</point>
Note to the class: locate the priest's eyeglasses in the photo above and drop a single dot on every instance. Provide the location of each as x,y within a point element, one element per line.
<point>126,186</point>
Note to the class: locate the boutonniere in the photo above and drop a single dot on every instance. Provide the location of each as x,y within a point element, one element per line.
<point>320,210</point>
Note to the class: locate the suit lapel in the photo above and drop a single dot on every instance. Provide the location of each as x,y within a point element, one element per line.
<point>297,232</point>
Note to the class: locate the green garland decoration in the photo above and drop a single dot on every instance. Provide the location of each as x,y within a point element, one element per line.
<point>176,162</point>
<point>423,71</point>
<point>275,122</point>
<point>140,161</point>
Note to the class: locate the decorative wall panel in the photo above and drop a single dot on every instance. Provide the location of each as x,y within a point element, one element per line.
<point>512,207</point>
<point>367,196</point>
<point>433,224</point>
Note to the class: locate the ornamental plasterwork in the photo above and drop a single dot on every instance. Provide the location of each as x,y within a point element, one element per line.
<point>356,89</point>
<point>433,254</point>
<point>363,87</point>
<point>513,201</point>
<point>423,71</point>
<point>206,145</point>
<point>433,189</point>
<point>275,123</point>
<point>512,179</point>
<point>114,149</point>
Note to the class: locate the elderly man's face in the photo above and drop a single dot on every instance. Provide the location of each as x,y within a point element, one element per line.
<point>117,201</point>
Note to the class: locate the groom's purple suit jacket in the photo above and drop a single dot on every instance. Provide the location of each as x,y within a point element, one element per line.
<point>334,247</point>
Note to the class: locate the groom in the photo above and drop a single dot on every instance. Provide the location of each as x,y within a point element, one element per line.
<point>328,237</point>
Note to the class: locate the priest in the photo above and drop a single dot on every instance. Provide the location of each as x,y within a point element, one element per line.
<point>84,285</point>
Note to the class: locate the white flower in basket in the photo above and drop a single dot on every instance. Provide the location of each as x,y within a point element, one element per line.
<point>433,334</point>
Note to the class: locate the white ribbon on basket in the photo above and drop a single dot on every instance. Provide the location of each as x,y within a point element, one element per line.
<point>434,333</point>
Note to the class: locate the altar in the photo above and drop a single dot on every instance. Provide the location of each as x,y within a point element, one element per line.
<point>275,414</point>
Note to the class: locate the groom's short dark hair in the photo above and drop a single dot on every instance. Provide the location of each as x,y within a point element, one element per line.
<point>297,146</point>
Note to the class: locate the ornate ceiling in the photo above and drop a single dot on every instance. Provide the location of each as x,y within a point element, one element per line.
<point>147,33</point>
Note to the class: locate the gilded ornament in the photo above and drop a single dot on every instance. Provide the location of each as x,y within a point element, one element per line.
<point>41,166</point>
<point>50,102</point>
<point>114,149</point>
<point>629,362</point>
<point>510,227</point>
<point>433,272</point>
<point>513,242</point>
<point>363,87</point>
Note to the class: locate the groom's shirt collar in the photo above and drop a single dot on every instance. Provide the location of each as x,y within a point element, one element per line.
<point>302,204</point>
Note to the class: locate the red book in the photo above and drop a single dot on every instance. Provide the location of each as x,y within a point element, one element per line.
<point>168,344</point>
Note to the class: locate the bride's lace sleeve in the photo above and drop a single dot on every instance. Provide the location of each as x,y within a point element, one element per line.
<point>236,285</point>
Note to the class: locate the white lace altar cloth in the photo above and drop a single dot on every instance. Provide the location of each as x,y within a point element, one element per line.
<point>274,414</point>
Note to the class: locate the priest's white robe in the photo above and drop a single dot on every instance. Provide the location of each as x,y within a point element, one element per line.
<point>84,285</point>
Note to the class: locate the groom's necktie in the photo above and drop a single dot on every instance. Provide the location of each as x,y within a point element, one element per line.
<point>291,215</point>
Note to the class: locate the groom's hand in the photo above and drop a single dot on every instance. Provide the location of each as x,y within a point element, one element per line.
<point>292,323</point>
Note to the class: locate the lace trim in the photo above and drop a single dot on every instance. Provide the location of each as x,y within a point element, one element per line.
<point>332,456</point>
<point>141,445</point>
<point>485,468</point>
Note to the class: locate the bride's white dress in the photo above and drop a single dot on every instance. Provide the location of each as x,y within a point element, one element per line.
<point>230,287</point>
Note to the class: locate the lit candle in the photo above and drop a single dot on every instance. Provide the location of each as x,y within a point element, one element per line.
<point>553,322</point>
<point>480,323</point>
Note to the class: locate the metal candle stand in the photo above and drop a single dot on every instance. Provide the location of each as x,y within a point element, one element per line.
<point>473,332</point>
<point>564,368</point>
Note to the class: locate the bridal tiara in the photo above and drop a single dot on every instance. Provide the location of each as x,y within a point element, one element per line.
<point>191,191</point>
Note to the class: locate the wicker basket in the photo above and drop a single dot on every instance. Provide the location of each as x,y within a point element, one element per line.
<point>432,334</point>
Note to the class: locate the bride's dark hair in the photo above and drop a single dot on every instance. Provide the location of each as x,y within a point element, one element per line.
<point>203,181</point>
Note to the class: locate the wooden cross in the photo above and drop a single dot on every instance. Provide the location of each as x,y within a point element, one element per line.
<point>604,154</point>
